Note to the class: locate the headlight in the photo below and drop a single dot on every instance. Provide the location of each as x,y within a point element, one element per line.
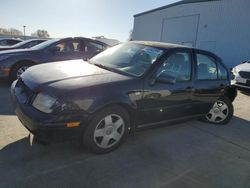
<point>235,71</point>
<point>44,103</point>
<point>4,57</point>
<point>64,106</point>
<point>48,104</point>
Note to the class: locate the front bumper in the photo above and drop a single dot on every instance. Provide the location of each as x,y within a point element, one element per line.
<point>241,82</point>
<point>46,127</point>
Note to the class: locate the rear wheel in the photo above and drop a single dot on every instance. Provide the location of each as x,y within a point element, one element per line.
<point>19,69</point>
<point>107,130</point>
<point>221,112</point>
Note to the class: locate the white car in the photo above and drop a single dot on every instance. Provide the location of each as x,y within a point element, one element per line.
<point>242,75</point>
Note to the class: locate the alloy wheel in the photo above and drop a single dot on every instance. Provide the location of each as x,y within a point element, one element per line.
<point>21,70</point>
<point>109,131</point>
<point>218,113</point>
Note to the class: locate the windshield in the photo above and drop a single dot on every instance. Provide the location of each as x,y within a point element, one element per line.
<point>44,44</point>
<point>133,59</point>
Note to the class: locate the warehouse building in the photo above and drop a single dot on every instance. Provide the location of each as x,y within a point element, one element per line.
<point>220,26</point>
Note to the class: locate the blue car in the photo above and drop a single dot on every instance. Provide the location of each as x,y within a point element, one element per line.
<point>14,62</point>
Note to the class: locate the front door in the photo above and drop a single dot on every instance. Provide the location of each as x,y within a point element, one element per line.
<point>168,101</point>
<point>61,51</point>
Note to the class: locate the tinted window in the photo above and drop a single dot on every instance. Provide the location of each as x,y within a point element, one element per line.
<point>65,47</point>
<point>12,42</point>
<point>206,68</point>
<point>177,65</point>
<point>3,42</point>
<point>93,47</point>
<point>222,72</point>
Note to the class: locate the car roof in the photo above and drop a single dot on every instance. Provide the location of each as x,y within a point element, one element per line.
<point>160,44</point>
<point>174,46</point>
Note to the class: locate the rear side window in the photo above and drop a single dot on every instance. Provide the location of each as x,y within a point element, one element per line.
<point>12,42</point>
<point>93,47</point>
<point>206,67</point>
<point>3,42</point>
<point>222,72</point>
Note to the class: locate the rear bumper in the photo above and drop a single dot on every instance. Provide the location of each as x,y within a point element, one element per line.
<point>46,127</point>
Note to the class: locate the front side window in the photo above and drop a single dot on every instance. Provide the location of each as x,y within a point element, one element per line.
<point>206,67</point>
<point>130,58</point>
<point>178,66</point>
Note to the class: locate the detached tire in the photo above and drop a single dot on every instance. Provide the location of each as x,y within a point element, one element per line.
<point>107,130</point>
<point>221,113</point>
<point>18,69</point>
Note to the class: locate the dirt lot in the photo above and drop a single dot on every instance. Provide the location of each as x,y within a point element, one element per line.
<point>191,154</point>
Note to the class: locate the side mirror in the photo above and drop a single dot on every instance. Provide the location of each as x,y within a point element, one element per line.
<point>54,49</point>
<point>165,79</point>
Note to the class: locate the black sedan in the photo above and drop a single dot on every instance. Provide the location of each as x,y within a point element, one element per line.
<point>14,62</point>
<point>127,87</point>
<point>24,44</point>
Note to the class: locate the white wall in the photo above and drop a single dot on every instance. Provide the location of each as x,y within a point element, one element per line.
<point>223,27</point>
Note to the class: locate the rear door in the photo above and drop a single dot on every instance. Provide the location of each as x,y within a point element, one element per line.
<point>210,81</point>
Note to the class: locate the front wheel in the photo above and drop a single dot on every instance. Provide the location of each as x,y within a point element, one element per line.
<point>221,112</point>
<point>19,69</point>
<point>107,130</point>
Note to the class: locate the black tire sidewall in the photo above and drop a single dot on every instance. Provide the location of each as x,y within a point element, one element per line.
<point>88,134</point>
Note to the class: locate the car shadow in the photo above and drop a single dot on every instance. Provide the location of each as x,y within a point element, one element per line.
<point>245,92</point>
<point>163,151</point>
<point>6,107</point>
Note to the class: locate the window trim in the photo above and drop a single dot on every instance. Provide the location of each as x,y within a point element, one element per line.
<point>222,65</point>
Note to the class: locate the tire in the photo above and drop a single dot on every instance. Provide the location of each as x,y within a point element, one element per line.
<point>221,113</point>
<point>14,72</point>
<point>107,130</point>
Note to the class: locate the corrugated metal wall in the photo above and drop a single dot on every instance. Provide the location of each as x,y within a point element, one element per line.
<point>223,27</point>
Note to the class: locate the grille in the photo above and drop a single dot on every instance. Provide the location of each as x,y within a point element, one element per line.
<point>245,74</point>
<point>24,93</point>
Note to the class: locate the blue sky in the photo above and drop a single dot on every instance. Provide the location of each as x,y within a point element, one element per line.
<point>61,18</point>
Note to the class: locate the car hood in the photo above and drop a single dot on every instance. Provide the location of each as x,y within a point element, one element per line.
<point>244,67</point>
<point>68,75</point>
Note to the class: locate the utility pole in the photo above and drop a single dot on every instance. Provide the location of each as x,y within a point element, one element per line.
<point>24,36</point>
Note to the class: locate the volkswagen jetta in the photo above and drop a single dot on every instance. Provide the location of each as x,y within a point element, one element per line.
<point>127,87</point>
